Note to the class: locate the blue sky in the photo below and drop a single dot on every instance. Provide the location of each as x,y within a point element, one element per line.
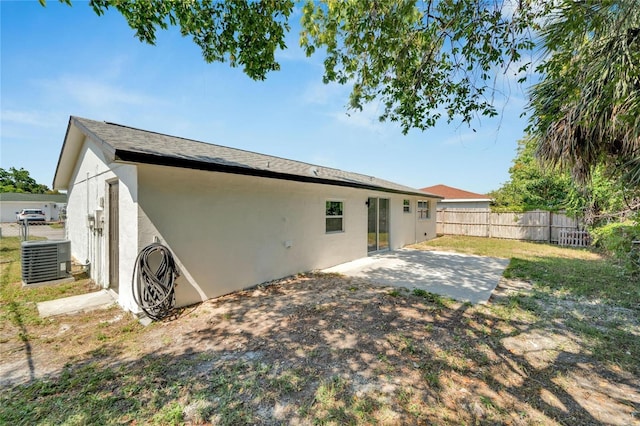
<point>60,61</point>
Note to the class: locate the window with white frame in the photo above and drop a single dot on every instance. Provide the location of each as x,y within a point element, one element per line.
<point>334,211</point>
<point>423,209</point>
<point>406,206</point>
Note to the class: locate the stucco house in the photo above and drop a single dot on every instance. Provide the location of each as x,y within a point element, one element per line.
<point>231,218</point>
<point>12,202</point>
<point>456,198</point>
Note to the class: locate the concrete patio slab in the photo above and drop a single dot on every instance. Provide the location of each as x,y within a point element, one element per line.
<point>74,304</point>
<point>459,276</point>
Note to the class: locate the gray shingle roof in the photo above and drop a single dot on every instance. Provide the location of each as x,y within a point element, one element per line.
<point>24,196</point>
<point>135,145</point>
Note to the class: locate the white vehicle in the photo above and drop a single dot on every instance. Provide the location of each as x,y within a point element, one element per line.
<point>32,215</point>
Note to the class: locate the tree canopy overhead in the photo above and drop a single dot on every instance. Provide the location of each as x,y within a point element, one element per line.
<point>422,60</point>
<point>241,32</point>
<point>431,59</point>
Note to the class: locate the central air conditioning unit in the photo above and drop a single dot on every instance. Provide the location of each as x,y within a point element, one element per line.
<point>45,260</point>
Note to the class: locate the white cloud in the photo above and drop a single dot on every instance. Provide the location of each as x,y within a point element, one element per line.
<point>90,93</point>
<point>318,93</point>
<point>30,118</point>
<point>460,138</point>
<point>115,67</point>
<point>30,125</point>
<point>367,118</point>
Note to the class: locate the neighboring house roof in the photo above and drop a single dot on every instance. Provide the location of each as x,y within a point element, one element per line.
<point>452,194</point>
<point>24,196</point>
<point>122,143</point>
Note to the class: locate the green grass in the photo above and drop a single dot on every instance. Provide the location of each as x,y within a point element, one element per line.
<point>17,304</point>
<point>334,403</point>
<point>10,259</point>
<point>585,287</point>
<point>94,395</point>
<point>579,272</point>
<point>496,247</point>
<point>588,294</point>
<point>436,299</point>
<point>593,278</point>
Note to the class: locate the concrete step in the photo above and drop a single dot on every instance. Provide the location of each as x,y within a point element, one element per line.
<point>74,304</point>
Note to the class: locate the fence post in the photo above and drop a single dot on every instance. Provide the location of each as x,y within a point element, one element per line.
<point>24,229</point>
<point>550,221</point>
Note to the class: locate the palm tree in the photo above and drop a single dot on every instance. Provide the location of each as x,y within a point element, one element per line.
<point>586,109</point>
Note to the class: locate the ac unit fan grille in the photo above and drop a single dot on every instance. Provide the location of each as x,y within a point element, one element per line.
<point>45,260</point>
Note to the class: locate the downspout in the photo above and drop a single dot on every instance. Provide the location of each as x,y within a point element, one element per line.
<point>415,223</point>
<point>87,263</point>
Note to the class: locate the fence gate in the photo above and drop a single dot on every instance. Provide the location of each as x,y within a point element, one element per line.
<point>574,238</point>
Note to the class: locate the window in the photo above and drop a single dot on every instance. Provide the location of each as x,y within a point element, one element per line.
<point>406,206</point>
<point>333,216</point>
<point>423,210</point>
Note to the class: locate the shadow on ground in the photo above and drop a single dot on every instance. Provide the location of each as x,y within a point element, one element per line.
<point>328,349</point>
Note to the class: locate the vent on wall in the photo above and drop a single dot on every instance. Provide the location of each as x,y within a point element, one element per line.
<point>45,260</point>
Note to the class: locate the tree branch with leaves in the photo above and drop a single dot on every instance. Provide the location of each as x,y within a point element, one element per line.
<point>432,59</point>
<point>421,60</point>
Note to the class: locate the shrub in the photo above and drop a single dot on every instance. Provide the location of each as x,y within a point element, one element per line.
<point>616,238</point>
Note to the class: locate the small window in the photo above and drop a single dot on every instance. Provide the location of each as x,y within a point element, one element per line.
<point>406,206</point>
<point>334,216</point>
<point>423,210</point>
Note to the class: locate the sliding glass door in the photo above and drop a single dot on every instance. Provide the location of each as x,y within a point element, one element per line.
<point>378,224</point>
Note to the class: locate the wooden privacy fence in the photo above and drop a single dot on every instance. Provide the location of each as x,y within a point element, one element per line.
<point>537,225</point>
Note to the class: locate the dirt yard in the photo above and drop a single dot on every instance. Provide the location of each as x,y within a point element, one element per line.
<point>320,349</point>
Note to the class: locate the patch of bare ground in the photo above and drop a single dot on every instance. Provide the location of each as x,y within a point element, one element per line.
<point>324,349</point>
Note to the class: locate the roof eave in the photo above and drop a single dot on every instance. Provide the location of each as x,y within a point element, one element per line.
<point>73,141</point>
<point>57,177</point>
<point>161,160</point>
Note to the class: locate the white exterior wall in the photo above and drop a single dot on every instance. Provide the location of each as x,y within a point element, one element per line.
<point>87,193</point>
<point>128,237</point>
<point>411,229</point>
<point>8,209</point>
<point>228,232</point>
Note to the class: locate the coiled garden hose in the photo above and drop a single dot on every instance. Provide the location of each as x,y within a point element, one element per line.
<point>154,289</point>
